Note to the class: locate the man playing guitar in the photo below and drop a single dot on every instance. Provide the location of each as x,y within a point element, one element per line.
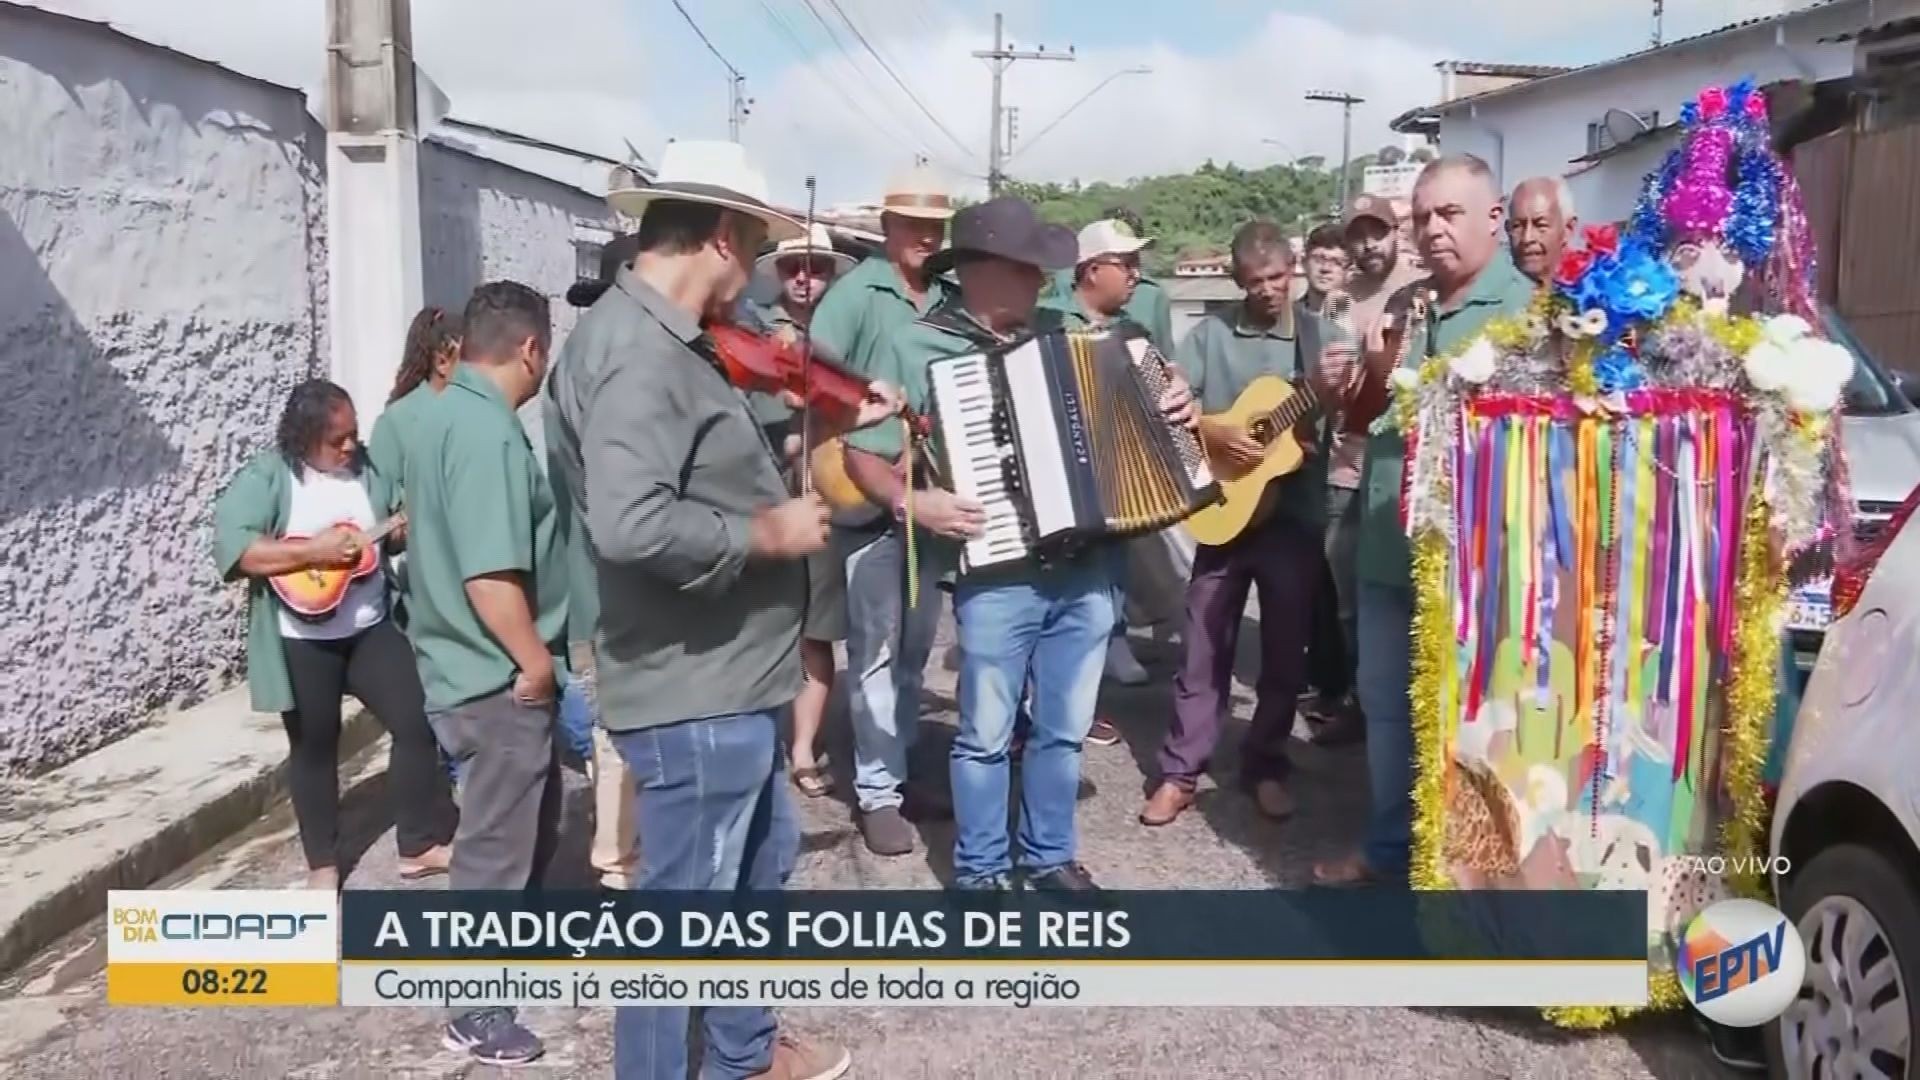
<point>1280,556</point>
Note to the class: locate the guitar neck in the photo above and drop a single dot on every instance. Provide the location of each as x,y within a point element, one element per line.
<point>1295,408</point>
<point>380,531</point>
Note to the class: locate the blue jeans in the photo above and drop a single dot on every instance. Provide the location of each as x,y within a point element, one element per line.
<point>887,657</point>
<point>714,816</point>
<point>1055,627</point>
<point>1385,630</point>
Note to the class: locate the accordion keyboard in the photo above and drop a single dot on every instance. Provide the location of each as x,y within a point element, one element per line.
<point>978,456</point>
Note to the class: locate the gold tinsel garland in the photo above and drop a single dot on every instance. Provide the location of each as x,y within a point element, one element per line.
<point>1746,730</point>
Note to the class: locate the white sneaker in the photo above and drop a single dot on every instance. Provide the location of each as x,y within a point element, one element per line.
<point>1122,667</point>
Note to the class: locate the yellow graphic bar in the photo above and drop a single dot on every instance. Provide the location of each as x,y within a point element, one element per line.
<point>223,984</point>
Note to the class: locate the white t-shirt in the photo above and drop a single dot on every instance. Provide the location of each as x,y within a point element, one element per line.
<point>321,501</point>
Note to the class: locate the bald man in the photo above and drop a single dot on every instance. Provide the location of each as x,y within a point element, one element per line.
<point>1540,225</point>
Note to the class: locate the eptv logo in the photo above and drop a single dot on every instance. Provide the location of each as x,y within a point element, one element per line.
<point>1741,963</point>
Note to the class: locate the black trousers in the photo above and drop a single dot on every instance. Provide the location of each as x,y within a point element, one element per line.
<point>376,666</point>
<point>1329,668</point>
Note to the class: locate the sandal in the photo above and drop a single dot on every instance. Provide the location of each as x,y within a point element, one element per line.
<point>813,781</point>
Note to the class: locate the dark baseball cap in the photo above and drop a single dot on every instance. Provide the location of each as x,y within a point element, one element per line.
<point>617,253</point>
<point>1369,206</point>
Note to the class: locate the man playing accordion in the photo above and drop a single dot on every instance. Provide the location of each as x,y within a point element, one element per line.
<point>1021,619</point>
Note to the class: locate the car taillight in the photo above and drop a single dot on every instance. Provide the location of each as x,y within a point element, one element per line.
<point>1850,578</point>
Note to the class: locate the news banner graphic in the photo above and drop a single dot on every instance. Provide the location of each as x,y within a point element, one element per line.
<point>244,947</point>
<point>886,948</point>
<point>897,948</point>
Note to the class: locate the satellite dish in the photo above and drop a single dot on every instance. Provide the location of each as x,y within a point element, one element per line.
<point>1623,126</point>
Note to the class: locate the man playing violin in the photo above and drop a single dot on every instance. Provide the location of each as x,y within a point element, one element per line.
<point>1017,624</point>
<point>700,557</point>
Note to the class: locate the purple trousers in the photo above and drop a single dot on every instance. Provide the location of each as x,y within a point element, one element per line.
<point>1281,559</point>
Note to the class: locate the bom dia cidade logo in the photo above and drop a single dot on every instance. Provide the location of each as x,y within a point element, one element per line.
<point>1741,963</point>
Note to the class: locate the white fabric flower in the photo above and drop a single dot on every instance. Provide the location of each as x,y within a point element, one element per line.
<point>1475,365</point>
<point>1405,378</point>
<point>1715,306</point>
<point>1769,365</point>
<point>1785,329</point>
<point>1819,375</point>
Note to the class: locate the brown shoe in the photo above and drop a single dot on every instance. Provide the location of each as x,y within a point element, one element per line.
<point>795,1058</point>
<point>1272,799</point>
<point>1350,872</point>
<point>1167,802</point>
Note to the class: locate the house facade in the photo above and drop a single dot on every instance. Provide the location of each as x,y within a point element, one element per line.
<point>1604,126</point>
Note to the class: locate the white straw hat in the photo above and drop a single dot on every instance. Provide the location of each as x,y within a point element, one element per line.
<point>821,248</point>
<point>713,174</point>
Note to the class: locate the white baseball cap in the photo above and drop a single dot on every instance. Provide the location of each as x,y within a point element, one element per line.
<point>1109,237</point>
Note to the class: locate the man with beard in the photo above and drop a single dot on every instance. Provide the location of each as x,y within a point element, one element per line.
<point>1540,224</point>
<point>1457,218</point>
<point>1377,288</point>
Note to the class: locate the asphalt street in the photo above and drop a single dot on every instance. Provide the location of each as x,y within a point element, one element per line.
<point>55,1024</point>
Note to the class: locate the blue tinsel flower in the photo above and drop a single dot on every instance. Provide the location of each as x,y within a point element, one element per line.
<point>1616,370</point>
<point>1639,286</point>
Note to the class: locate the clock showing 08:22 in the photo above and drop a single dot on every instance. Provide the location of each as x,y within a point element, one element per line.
<point>251,947</point>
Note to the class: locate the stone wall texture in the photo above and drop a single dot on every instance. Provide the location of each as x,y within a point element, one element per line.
<point>162,288</point>
<point>482,221</point>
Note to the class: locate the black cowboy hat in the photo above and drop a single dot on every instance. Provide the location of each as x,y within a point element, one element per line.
<point>1007,228</point>
<point>617,253</point>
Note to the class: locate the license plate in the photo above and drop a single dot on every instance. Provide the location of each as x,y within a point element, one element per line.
<point>1810,607</point>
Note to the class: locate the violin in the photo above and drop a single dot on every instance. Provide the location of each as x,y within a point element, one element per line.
<point>768,365</point>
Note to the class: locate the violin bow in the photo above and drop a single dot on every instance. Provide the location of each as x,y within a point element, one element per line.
<point>806,360</point>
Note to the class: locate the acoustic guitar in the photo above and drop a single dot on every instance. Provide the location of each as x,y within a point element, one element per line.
<point>1267,411</point>
<point>315,593</point>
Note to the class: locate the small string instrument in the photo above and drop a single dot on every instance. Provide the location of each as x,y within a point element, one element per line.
<point>315,593</point>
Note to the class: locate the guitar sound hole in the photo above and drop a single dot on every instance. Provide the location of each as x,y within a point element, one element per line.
<point>1261,430</point>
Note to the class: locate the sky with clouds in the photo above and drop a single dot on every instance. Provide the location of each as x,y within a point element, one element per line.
<point>1225,80</point>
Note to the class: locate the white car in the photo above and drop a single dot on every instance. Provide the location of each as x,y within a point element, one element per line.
<point>1846,826</point>
<point>1880,428</point>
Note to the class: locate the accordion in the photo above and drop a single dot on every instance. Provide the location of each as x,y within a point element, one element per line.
<point>1062,440</point>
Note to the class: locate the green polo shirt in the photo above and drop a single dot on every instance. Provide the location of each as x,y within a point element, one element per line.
<point>397,425</point>
<point>915,348</point>
<point>860,315</point>
<point>1223,353</point>
<point>1149,307</point>
<point>1152,308</point>
<point>257,504</point>
<point>479,504</point>
<point>1384,557</point>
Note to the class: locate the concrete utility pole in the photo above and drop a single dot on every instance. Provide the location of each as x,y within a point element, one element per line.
<point>1346,103</point>
<point>1659,21</point>
<point>374,278</point>
<point>1002,55</point>
<point>1013,127</point>
<point>741,106</point>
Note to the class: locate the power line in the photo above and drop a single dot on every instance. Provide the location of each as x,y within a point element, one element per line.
<point>847,57</point>
<point>897,80</point>
<point>892,129</point>
<point>702,35</point>
<point>737,100</point>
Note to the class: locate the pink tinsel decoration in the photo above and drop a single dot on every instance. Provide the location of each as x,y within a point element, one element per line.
<point>1713,102</point>
<point>1757,107</point>
<point>1694,209</point>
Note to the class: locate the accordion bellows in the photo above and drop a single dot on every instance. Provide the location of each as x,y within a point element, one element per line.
<point>1062,440</point>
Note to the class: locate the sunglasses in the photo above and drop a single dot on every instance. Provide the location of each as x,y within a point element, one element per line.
<point>819,268</point>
